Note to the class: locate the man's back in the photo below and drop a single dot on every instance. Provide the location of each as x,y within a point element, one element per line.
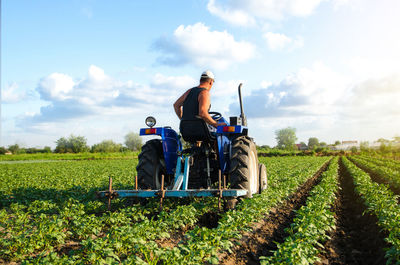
<point>191,104</point>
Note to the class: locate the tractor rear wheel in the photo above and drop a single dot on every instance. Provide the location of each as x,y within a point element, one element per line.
<point>244,165</point>
<point>151,165</point>
<point>262,177</point>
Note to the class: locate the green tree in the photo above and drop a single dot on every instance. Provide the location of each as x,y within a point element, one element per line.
<point>313,143</point>
<point>74,144</point>
<point>133,141</point>
<point>383,141</point>
<point>14,148</point>
<point>337,143</point>
<point>353,149</point>
<point>2,150</point>
<point>106,146</point>
<point>286,138</point>
<point>47,149</point>
<point>364,146</point>
<point>78,144</point>
<point>385,148</point>
<point>62,145</point>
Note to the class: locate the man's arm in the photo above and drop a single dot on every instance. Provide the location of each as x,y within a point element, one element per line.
<point>179,103</point>
<point>204,105</point>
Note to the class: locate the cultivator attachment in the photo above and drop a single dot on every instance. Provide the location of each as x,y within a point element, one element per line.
<point>180,188</point>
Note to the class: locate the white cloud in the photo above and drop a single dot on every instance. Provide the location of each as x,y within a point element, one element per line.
<point>277,41</point>
<point>101,97</point>
<point>246,13</point>
<point>309,92</point>
<point>11,95</point>
<point>197,44</point>
<point>56,86</point>
<point>321,102</point>
<point>265,84</point>
<point>235,17</point>
<point>169,83</point>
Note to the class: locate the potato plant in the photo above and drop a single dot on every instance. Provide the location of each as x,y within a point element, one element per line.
<point>383,203</point>
<point>311,224</point>
<point>386,171</point>
<point>49,214</point>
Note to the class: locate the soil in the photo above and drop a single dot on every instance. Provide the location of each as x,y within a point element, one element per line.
<point>173,240</point>
<point>261,241</point>
<point>209,220</point>
<point>357,238</point>
<point>67,247</point>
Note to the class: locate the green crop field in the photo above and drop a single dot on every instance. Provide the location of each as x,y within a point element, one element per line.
<point>50,215</point>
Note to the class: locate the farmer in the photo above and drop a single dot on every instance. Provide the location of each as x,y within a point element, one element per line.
<point>195,102</point>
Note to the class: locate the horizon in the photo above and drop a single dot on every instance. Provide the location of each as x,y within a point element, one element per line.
<point>330,69</point>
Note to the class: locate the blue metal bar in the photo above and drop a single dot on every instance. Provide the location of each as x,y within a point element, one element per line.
<point>175,193</point>
<point>186,174</point>
<point>178,174</point>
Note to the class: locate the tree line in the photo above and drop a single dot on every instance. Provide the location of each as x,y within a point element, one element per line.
<point>78,144</point>
<point>286,140</point>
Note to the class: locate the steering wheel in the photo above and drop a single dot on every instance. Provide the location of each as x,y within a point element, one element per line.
<point>215,115</point>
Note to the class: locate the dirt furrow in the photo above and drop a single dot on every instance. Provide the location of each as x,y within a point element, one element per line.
<point>357,238</point>
<point>261,241</point>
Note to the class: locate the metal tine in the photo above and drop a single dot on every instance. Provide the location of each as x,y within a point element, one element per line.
<point>162,192</point>
<point>109,192</point>
<point>220,190</point>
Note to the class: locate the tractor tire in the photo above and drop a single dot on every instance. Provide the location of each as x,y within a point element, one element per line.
<point>151,165</point>
<point>262,174</point>
<point>244,165</point>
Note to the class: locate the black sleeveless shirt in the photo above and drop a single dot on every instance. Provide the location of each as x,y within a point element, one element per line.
<point>191,104</point>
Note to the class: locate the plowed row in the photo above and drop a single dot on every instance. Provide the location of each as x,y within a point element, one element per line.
<point>49,214</point>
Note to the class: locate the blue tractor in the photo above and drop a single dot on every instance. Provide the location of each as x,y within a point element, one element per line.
<point>222,163</point>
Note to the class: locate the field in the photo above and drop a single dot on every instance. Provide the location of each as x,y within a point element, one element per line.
<point>323,210</point>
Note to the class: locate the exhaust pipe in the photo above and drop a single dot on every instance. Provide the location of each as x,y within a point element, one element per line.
<point>242,116</point>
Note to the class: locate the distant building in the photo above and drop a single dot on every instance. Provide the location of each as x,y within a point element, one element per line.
<point>302,147</point>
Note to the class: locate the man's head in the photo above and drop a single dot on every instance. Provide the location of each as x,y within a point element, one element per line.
<point>207,78</point>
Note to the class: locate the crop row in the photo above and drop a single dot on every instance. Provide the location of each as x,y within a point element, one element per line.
<point>49,214</point>
<point>381,202</point>
<point>203,244</point>
<point>59,181</point>
<point>17,158</point>
<point>311,224</point>
<point>391,161</point>
<point>379,168</point>
<point>385,162</point>
<point>38,222</point>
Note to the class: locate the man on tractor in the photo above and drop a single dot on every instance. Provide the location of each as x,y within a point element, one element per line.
<point>195,102</point>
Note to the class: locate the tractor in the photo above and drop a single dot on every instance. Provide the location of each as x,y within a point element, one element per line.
<point>223,163</point>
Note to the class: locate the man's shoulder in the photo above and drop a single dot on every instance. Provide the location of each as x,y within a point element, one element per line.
<point>204,93</point>
<point>202,89</point>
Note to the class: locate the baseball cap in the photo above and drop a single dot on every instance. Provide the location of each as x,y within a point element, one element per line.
<point>208,74</point>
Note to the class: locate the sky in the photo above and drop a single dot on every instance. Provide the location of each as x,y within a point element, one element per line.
<point>96,68</point>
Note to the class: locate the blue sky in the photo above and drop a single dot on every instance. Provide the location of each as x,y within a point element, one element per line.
<point>329,68</point>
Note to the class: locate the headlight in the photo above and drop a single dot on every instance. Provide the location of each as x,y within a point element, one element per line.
<point>150,121</point>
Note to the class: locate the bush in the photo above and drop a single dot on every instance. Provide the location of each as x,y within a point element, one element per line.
<point>3,151</point>
<point>106,146</point>
<point>74,144</point>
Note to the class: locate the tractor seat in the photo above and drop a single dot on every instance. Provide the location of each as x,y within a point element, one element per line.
<point>195,130</point>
